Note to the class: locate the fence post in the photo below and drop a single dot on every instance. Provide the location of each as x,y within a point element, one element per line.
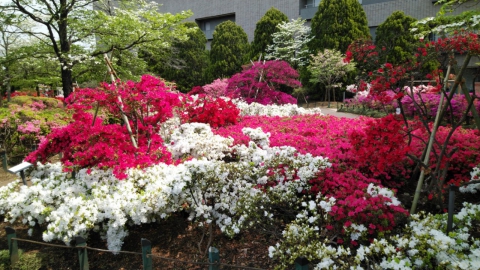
<point>301,263</point>
<point>213,258</point>
<point>451,207</point>
<point>3,155</point>
<point>146,250</point>
<point>82,252</point>
<point>12,245</point>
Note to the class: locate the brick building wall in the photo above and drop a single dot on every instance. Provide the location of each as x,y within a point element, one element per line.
<point>247,12</point>
<point>377,13</point>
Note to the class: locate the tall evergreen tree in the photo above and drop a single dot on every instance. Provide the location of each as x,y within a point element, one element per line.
<point>229,49</point>
<point>336,24</point>
<point>192,59</point>
<point>264,30</point>
<point>395,37</point>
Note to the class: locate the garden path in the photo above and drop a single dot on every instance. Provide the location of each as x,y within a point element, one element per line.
<point>333,111</point>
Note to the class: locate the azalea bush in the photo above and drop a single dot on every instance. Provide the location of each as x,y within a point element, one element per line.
<point>262,82</point>
<point>216,112</point>
<point>388,84</point>
<point>217,88</point>
<point>97,139</point>
<point>234,195</point>
<point>425,95</point>
<point>354,212</point>
<point>326,183</point>
<point>26,122</point>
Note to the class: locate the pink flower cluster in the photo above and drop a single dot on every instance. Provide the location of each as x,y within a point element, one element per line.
<point>93,142</point>
<point>261,83</point>
<point>103,140</point>
<point>30,127</point>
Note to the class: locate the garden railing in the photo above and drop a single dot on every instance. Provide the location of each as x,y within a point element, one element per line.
<point>213,263</point>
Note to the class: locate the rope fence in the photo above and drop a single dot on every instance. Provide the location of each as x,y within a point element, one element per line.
<point>213,263</point>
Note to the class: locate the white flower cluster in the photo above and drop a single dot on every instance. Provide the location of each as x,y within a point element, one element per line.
<point>209,190</point>
<point>472,188</point>
<point>197,140</point>
<point>302,237</point>
<point>273,110</point>
<point>352,88</point>
<point>422,244</point>
<point>385,192</point>
<point>258,136</point>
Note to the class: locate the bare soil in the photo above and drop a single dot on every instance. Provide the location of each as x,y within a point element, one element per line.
<point>6,177</point>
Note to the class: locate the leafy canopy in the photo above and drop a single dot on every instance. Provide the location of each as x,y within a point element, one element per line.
<point>185,63</point>
<point>264,30</point>
<point>337,23</point>
<point>229,50</point>
<point>290,43</point>
<point>328,67</point>
<point>395,37</point>
<point>126,26</point>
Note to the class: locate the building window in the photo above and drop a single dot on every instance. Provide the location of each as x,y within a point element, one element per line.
<point>207,25</point>
<point>312,3</point>
<point>373,32</point>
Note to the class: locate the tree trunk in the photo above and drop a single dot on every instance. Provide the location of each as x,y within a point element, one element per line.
<point>8,86</point>
<point>9,90</point>
<point>65,49</point>
<point>67,82</point>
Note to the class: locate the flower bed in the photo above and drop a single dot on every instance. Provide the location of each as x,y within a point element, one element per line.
<point>322,180</point>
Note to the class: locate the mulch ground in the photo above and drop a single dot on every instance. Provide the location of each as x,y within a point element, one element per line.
<point>175,245</point>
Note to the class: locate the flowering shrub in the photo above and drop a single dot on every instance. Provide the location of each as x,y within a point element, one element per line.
<point>273,110</point>
<point>217,88</point>
<point>475,184</point>
<point>197,90</point>
<point>320,179</point>
<point>424,95</point>
<point>210,190</point>
<point>188,141</point>
<point>100,145</point>
<point>380,148</point>
<point>90,142</point>
<point>18,94</point>
<point>421,244</point>
<point>456,109</point>
<point>463,144</point>
<point>26,122</point>
<point>386,76</point>
<point>261,83</point>
<point>214,111</point>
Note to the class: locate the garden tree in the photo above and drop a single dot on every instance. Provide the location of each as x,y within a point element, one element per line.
<point>33,64</point>
<point>9,39</point>
<point>395,36</point>
<point>336,24</point>
<point>229,49</point>
<point>445,23</point>
<point>328,68</point>
<point>192,59</point>
<point>91,71</point>
<point>290,43</point>
<point>451,5</point>
<point>264,31</point>
<point>67,22</point>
